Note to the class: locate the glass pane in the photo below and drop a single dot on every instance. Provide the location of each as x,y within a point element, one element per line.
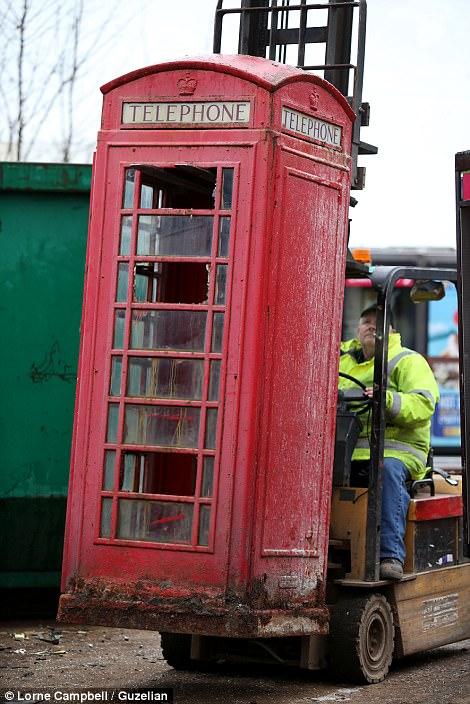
<point>113,412</point>
<point>217,332</point>
<point>122,279</point>
<point>168,330</point>
<point>207,476</point>
<point>179,235</point>
<point>153,377</point>
<point>129,182</point>
<point>211,426</point>
<point>125,239</point>
<point>177,187</point>
<point>214,380</point>
<point>115,383</point>
<point>118,337</point>
<point>105,525</point>
<point>130,474</point>
<point>220,284</point>
<point>159,473</point>
<point>146,196</point>
<point>171,282</point>
<point>108,475</point>
<point>227,188</point>
<point>204,523</point>
<point>224,236</point>
<point>156,521</point>
<point>167,426</point>
<point>146,277</point>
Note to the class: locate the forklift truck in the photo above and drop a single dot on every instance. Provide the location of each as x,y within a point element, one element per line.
<point>372,621</point>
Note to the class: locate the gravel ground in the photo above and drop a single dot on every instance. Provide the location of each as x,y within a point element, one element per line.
<point>36,655</point>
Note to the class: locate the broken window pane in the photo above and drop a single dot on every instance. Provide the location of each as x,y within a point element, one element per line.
<point>171,282</point>
<point>159,473</point>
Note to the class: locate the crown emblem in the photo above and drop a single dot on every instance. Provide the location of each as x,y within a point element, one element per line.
<point>314,99</point>
<point>186,85</point>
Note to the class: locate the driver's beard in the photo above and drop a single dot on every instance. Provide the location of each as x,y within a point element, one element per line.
<point>368,349</point>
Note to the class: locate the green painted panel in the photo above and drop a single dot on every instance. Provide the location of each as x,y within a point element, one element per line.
<point>42,239</point>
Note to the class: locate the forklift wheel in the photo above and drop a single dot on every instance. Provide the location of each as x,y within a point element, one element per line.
<point>362,638</point>
<point>176,648</point>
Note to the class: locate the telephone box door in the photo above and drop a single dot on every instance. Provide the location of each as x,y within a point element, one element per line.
<point>161,372</point>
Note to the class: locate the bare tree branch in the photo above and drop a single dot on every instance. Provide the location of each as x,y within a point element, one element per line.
<point>21,98</point>
<point>45,50</point>
<point>76,27</point>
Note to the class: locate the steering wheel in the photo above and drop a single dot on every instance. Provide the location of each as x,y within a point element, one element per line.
<point>359,403</point>
<point>353,379</point>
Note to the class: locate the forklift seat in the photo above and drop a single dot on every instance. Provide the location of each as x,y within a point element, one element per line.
<point>415,485</point>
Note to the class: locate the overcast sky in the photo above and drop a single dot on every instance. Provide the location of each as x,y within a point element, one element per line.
<point>417,80</point>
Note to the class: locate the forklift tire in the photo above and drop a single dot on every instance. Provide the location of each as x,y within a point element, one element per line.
<point>361,640</point>
<point>176,649</point>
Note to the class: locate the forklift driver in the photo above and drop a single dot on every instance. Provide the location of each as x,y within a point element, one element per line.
<point>411,397</point>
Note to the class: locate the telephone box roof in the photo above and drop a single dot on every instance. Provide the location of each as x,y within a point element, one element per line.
<point>262,72</point>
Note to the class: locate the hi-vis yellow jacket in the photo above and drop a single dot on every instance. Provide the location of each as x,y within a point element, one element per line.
<point>411,396</point>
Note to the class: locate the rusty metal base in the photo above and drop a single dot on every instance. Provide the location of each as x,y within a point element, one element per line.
<point>237,620</point>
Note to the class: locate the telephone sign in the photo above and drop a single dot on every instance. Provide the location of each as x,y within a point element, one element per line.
<point>208,113</point>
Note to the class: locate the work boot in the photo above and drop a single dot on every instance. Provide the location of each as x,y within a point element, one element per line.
<point>391,569</point>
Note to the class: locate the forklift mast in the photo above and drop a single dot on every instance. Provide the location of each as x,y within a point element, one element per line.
<point>269,28</point>
<point>462,192</point>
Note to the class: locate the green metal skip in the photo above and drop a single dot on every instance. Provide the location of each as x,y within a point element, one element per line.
<point>43,229</point>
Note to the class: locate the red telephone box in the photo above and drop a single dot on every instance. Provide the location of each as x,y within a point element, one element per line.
<point>204,429</point>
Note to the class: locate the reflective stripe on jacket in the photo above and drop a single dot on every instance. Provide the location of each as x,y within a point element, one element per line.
<point>411,397</point>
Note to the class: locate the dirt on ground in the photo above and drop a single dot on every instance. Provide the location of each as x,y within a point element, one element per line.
<point>38,655</point>
<point>43,655</point>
